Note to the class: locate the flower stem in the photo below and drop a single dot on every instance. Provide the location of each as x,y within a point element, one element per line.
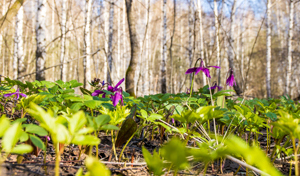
<point>113,144</point>
<point>57,159</point>
<point>191,91</point>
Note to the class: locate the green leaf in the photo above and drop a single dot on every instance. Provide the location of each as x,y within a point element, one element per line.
<point>95,167</point>
<point>76,122</point>
<point>102,120</point>
<point>109,127</point>
<point>22,149</point>
<point>92,104</point>
<point>4,124</point>
<point>35,129</point>
<point>85,140</point>
<point>154,163</point>
<point>37,142</point>
<point>85,91</point>
<point>154,117</point>
<point>76,106</point>
<point>24,136</point>
<point>128,128</point>
<point>175,152</point>
<point>272,116</point>
<point>11,137</point>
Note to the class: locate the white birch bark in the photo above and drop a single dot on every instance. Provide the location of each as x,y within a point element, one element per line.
<point>290,47</point>
<point>164,47</point>
<point>18,58</point>
<point>63,68</point>
<point>190,26</point>
<point>87,45</point>
<point>146,91</point>
<point>52,37</point>
<point>99,37</point>
<point>268,56</point>
<point>217,30</point>
<point>119,44</point>
<point>109,17</point>
<point>40,39</point>
<point>1,40</point>
<point>201,37</point>
<point>124,39</point>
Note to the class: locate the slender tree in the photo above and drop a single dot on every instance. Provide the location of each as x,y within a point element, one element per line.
<point>230,51</point>
<point>87,60</point>
<point>18,60</point>
<point>190,26</point>
<point>134,49</point>
<point>109,23</point>
<point>268,55</point>
<point>164,47</point>
<point>217,30</point>
<point>290,46</point>
<point>40,39</point>
<point>63,68</point>
<point>170,48</point>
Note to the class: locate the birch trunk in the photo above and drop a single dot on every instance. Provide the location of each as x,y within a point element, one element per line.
<point>109,17</point>
<point>124,39</point>
<point>217,26</point>
<point>290,48</point>
<point>268,56</point>
<point>147,87</point>
<point>63,68</point>
<point>18,60</point>
<point>172,87</point>
<point>119,43</point>
<point>87,45</point>
<point>164,48</point>
<point>190,21</point>
<point>230,48</point>
<point>40,39</point>
<point>201,37</point>
<point>134,50</point>
<point>1,39</point>
<point>52,37</point>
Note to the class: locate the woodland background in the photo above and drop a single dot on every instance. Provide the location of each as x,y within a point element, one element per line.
<point>87,39</point>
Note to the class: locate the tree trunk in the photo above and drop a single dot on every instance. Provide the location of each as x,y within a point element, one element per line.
<point>18,60</point>
<point>164,48</point>
<point>87,45</point>
<point>230,48</point>
<point>217,26</point>
<point>201,38</point>
<point>190,24</point>
<point>134,50</point>
<point>172,78</point>
<point>290,48</point>
<point>63,68</point>
<point>268,56</point>
<point>147,87</point>
<point>40,40</point>
<point>109,22</point>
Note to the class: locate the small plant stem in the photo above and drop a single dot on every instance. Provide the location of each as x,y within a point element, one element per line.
<point>247,170</point>
<point>274,150</point>
<point>57,159</point>
<point>113,144</point>
<point>96,132</point>
<point>45,156</point>
<point>125,147</point>
<point>191,91</point>
<point>295,155</point>
<point>175,172</point>
<point>205,168</point>
<point>290,172</point>
<point>238,169</point>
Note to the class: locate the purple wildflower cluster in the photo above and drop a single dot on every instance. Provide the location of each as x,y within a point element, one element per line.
<point>230,80</point>
<point>117,90</point>
<point>16,94</point>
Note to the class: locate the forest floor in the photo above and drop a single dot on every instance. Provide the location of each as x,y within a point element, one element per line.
<point>70,162</point>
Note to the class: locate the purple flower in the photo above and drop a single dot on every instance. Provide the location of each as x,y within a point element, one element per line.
<point>118,92</point>
<point>205,70</point>
<point>17,95</point>
<point>173,121</point>
<point>230,80</point>
<point>98,92</point>
<point>118,96</point>
<point>187,91</point>
<point>47,137</point>
<point>216,86</point>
